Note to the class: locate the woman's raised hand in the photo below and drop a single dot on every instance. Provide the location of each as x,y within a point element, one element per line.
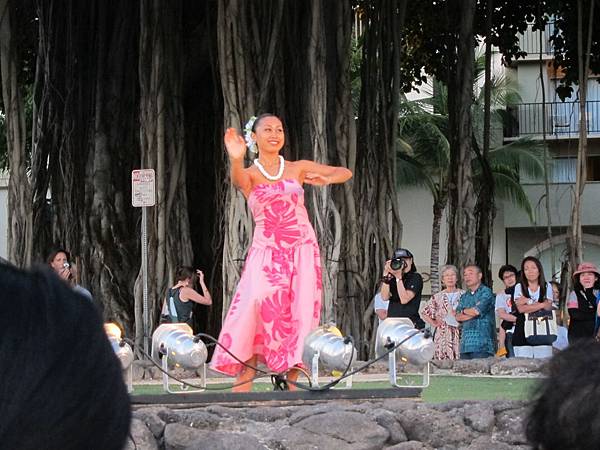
<point>234,144</point>
<point>316,179</point>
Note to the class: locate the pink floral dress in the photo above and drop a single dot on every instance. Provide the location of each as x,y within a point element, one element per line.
<point>278,299</point>
<point>447,337</point>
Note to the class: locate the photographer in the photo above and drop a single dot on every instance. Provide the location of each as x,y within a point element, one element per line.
<point>402,286</point>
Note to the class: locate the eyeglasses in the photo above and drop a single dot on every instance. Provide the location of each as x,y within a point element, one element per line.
<point>509,275</point>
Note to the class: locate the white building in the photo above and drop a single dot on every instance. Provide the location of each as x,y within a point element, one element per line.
<point>515,235</point>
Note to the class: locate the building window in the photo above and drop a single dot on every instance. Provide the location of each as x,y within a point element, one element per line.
<point>563,170</point>
<point>593,168</point>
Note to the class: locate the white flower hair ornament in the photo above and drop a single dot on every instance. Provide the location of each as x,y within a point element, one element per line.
<point>250,143</point>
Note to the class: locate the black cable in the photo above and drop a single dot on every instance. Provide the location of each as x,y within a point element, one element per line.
<point>195,386</point>
<point>359,369</point>
<point>274,375</point>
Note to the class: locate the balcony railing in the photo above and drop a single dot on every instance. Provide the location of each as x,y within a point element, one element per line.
<point>529,41</point>
<point>561,119</point>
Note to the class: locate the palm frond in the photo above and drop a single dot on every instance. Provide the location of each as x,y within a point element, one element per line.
<point>508,188</point>
<point>523,155</point>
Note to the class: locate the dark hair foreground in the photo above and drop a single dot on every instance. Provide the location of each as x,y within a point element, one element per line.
<point>61,386</point>
<point>565,414</point>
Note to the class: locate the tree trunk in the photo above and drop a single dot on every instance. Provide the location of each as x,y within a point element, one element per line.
<point>584,66</point>
<point>485,209</point>
<point>434,264</point>
<point>162,148</point>
<point>462,224</point>
<point>377,213</point>
<point>20,230</point>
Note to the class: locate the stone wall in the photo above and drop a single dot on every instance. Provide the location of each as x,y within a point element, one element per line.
<point>397,424</point>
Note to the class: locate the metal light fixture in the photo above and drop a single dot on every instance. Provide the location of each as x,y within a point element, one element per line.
<point>122,350</point>
<point>176,346</point>
<point>326,347</point>
<point>416,347</point>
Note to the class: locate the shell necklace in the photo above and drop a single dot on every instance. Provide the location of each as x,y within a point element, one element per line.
<point>266,174</point>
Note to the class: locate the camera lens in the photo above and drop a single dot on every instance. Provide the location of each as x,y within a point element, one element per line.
<point>396,264</point>
<point>66,265</point>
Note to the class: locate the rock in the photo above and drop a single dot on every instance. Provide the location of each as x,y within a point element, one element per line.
<point>451,405</point>
<point>266,414</point>
<point>180,437</point>
<point>140,437</point>
<point>409,445</point>
<point>191,418</point>
<point>388,420</point>
<point>510,426</point>
<point>473,366</point>
<point>485,443</point>
<point>293,438</point>
<point>504,405</point>
<point>517,366</point>
<point>150,416</point>
<point>443,364</point>
<point>313,410</point>
<point>397,405</point>
<point>479,417</point>
<point>435,428</point>
<point>350,427</point>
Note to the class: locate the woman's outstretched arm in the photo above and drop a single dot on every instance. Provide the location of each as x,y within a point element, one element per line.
<point>321,174</point>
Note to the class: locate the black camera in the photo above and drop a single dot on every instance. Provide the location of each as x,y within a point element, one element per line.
<point>397,263</point>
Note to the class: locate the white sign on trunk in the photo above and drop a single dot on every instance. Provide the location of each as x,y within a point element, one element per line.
<point>142,188</point>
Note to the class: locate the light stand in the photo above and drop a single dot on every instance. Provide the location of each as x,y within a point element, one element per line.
<point>325,346</point>
<point>123,352</point>
<point>176,346</point>
<point>416,347</point>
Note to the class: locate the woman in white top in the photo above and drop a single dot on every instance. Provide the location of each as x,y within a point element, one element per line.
<point>532,294</point>
<point>439,312</point>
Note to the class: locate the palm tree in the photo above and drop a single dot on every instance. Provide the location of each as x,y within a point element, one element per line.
<point>423,158</point>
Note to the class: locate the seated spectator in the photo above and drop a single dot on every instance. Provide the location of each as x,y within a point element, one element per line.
<point>380,306</point>
<point>583,302</point>
<point>402,286</point>
<point>564,414</point>
<point>181,297</point>
<point>61,384</point>
<point>475,311</point>
<point>532,294</point>
<point>60,261</point>
<point>440,312</point>
<point>504,308</point>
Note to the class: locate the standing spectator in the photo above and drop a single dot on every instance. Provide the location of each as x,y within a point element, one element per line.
<point>182,296</point>
<point>475,311</point>
<point>583,302</point>
<point>440,312</point>
<point>532,294</point>
<point>504,308</point>
<point>562,339</point>
<point>402,287</point>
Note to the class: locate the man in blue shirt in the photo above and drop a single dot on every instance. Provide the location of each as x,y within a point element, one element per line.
<point>475,311</point>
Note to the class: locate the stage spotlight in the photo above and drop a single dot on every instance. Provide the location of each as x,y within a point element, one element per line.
<point>175,345</point>
<point>416,346</point>
<point>327,347</point>
<point>122,350</point>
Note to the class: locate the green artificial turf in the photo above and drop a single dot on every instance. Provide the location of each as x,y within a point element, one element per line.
<point>441,388</point>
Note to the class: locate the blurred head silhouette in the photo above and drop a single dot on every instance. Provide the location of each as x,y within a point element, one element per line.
<point>61,384</point>
<point>565,413</point>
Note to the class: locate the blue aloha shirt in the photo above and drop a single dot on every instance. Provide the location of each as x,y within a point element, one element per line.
<point>478,334</point>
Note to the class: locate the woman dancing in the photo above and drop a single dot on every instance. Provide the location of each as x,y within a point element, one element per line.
<point>278,299</point>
